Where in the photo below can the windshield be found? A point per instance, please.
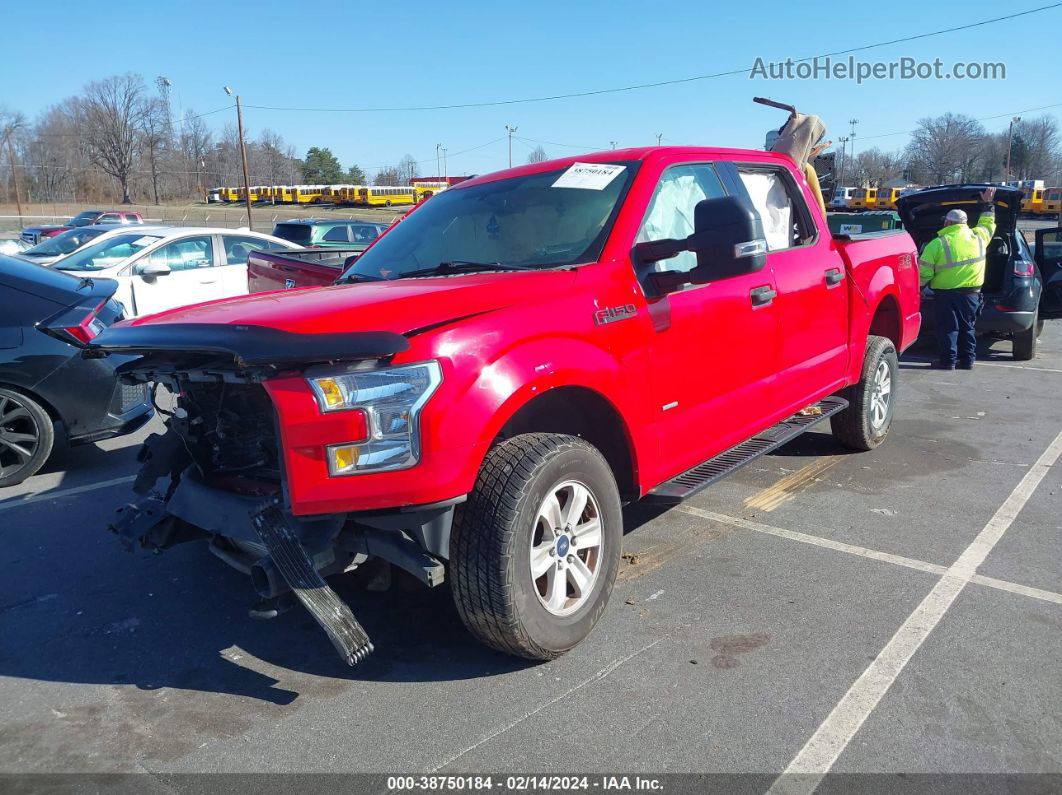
(63, 244)
(520, 221)
(82, 219)
(104, 254)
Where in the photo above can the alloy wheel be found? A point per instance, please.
(566, 551)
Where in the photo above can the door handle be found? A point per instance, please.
(834, 276)
(761, 296)
(210, 281)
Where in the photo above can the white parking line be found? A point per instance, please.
(809, 767)
(16, 502)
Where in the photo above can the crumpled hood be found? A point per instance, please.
(399, 306)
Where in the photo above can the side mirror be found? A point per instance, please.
(728, 240)
(151, 270)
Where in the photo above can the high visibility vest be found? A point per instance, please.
(955, 258)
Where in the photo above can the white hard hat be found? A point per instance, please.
(956, 216)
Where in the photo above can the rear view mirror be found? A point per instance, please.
(150, 270)
(728, 240)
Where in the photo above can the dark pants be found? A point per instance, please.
(955, 314)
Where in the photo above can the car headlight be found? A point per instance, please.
(390, 398)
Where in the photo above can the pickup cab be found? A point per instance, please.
(489, 383)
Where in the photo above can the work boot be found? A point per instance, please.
(939, 365)
(965, 365)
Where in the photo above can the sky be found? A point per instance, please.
(411, 53)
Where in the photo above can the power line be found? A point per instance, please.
(983, 118)
(659, 83)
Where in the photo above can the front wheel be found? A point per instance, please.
(535, 549)
(1024, 347)
(871, 402)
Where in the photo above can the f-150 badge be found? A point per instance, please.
(613, 313)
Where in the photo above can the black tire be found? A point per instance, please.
(27, 436)
(1024, 347)
(490, 546)
(854, 427)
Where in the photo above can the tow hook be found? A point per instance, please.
(328, 610)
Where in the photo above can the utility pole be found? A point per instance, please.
(612, 144)
(243, 156)
(444, 163)
(851, 138)
(1010, 140)
(509, 131)
(14, 171)
(659, 137)
(840, 171)
(438, 159)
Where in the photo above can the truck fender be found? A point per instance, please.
(878, 295)
(522, 374)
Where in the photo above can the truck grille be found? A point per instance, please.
(232, 427)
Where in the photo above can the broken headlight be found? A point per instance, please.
(390, 398)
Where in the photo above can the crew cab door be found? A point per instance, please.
(195, 275)
(1049, 261)
(713, 353)
(812, 302)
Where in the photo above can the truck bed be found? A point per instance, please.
(306, 267)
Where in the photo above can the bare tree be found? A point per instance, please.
(388, 176)
(1040, 143)
(538, 154)
(155, 138)
(946, 148)
(407, 169)
(874, 168)
(196, 142)
(114, 110)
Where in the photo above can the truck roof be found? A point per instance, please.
(619, 155)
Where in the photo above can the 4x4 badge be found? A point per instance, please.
(613, 313)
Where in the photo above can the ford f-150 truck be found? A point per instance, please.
(306, 267)
(35, 234)
(490, 381)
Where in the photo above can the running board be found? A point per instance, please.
(714, 469)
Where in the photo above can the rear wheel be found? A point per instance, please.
(871, 402)
(26, 437)
(535, 549)
(1025, 341)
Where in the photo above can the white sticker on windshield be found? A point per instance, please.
(589, 176)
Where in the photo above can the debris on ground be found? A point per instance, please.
(629, 600)
(630, 557)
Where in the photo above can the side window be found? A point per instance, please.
(237, 248)
(364, 234)
(186, 254)
(670, 213)
(337, 234)
(782, 209)
(108, 218)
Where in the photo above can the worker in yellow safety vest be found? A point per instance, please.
(953, 266)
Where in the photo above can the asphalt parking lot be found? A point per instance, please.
(893, 611)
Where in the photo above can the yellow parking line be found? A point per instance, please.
(786, 488)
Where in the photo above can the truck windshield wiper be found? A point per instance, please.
(359, 277)
(463, 266)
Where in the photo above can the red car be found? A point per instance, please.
(35, 234)
(494, 377)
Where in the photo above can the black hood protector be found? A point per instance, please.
(248, 345)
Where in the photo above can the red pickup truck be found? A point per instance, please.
(35, 234)
(491, 380)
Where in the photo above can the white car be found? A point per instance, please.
(163, 267)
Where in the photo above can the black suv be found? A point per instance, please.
(1013, 288)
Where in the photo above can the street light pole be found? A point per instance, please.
(840, 172)
(243, 157)
(1010, 140)
(510, 130)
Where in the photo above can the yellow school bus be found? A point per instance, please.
(281, 194)
(865, 199)
(306, 194)
(887, 198)
(1052, 204)
(1033, 201)
(425, 190)
(376, 196)
(231, 194)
